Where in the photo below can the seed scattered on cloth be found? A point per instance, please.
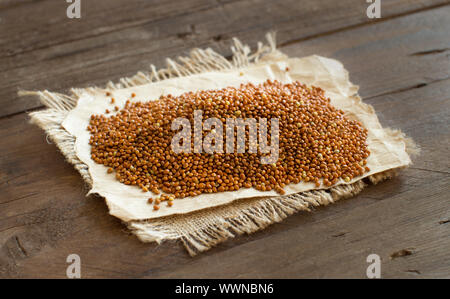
(317, 143)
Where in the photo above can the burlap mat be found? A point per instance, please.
(200, 230)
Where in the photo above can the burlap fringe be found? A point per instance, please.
(200, 230)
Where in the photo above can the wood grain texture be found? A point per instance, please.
(40, 48)
(402, 66)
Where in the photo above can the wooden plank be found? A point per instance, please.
(335, 241)
(106, 16)
(53, 221)
(408, 54)
(44, 215)
(117, 38)
(407, 212)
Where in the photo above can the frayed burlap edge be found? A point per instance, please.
(199, 230)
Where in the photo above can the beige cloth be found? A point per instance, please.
(130, 203)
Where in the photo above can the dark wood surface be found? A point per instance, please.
(401, 62)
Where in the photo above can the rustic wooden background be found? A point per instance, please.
(400, 61)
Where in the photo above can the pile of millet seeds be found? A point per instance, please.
(317, 143)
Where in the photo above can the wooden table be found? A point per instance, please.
(401, 62)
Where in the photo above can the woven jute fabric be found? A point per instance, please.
(199, 230)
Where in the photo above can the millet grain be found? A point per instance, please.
(316, 142)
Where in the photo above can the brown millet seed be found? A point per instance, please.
(317, 142)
